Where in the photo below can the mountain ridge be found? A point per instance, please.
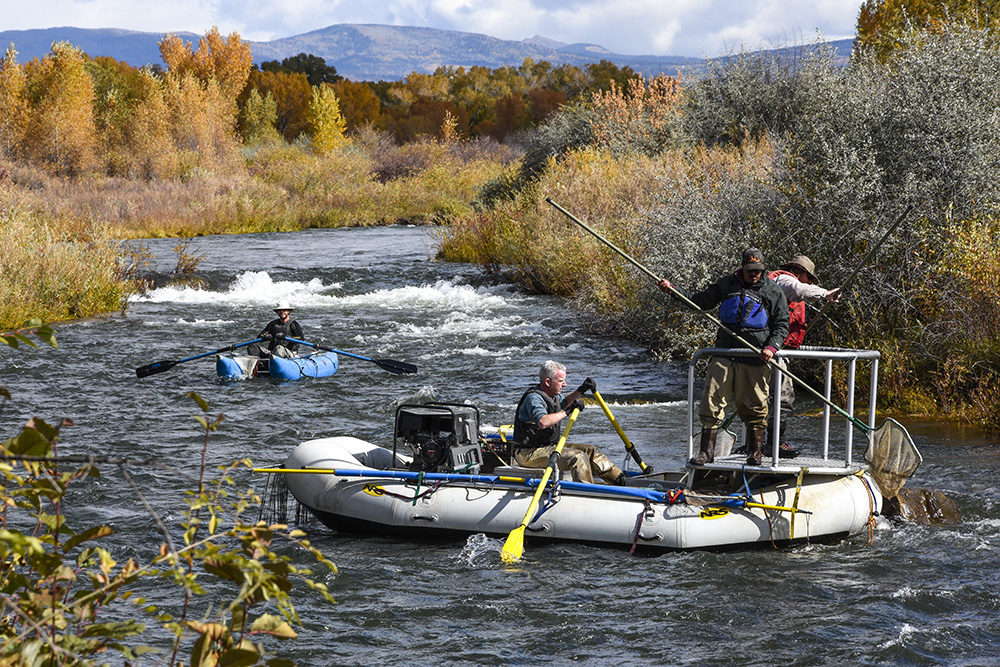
(369, 52)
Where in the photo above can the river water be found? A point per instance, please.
(918, 595)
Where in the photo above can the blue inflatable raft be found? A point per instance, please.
(242, 367)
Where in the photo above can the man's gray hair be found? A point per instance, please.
(549, 370)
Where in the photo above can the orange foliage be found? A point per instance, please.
(61, 133)
(227, 60)
(640, 115)
(292, 95)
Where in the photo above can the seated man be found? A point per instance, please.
(536, 429)
(276, 332)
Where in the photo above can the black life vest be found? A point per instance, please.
(527, 434)
(290, 329)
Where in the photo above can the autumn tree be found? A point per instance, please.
(543, 102)
(358, 103)
(883, 24)
(511, 115)
(151, 149)
(201, 88)
(131, 119)
(200, 124)
(13, 101)
(258, 118)
(325, 121)
(60, 133)
(291, 94)
(227, 60)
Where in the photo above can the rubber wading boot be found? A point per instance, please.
(755, 438)
(707, 453)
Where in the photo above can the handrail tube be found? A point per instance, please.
(827, 354)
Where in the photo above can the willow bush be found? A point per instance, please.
(793, 157)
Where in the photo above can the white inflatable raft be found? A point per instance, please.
(435, 482)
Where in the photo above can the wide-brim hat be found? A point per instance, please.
(804, 263)
(282, 305)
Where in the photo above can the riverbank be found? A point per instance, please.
(89, 229)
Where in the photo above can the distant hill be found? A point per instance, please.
(135, 48)
(366, 52)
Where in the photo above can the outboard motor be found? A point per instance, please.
(442, 437)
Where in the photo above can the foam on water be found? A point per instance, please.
(251, 288)
(441, 295)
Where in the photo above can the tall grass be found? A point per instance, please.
(54, 271)
(372, 181)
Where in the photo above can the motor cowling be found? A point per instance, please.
(441, 437)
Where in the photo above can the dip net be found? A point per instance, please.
(892, 457)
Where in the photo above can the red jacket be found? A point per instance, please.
(796, 316)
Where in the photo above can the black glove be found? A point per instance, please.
(575, 405)
(279, 336)
(265, 336)
(588, 385)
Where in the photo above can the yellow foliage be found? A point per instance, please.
(14, 119)
(328, 126)
(227, 60)
(61, 132)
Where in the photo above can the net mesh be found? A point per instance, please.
(892, 457)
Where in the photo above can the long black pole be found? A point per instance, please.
(871, 253)
(857, 422)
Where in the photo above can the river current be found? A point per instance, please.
(918, 595)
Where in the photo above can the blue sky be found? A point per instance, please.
(637, 27)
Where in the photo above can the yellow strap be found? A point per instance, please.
(795, 502)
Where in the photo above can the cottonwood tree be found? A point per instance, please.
(13, 101)
(292, 95)
(884, 24)
(258, 118)
(61, 134)
(201, 89)
(227, 60)
(359, 104)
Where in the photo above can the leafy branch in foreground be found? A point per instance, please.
(59, 590)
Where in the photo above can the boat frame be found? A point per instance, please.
(355, 486)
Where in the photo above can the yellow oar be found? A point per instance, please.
(629, 447)
(513, 548)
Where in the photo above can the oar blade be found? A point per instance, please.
(892, 457)
(154, 368)
(393, 366)
(513, 548)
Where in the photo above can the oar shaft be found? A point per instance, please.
(621, 434)
(326, 349)
(391, 365)
(161, 366)
(693, 306)
(629, 492)
(220, 350)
